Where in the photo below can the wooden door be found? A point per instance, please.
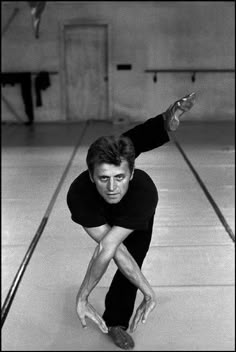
(86, 71)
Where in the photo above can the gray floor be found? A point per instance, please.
(190, 263)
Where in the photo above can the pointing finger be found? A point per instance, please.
(135, 322)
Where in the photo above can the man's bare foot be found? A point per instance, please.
(172, 114)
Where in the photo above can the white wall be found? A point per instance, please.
(146, 34)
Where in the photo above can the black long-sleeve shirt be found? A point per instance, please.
(148, 135)
(138, 205)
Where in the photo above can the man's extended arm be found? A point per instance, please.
(153, 132)
(148, 135)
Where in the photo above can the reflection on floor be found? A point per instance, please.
(190, 263)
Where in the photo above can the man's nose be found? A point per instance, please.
(111, 185)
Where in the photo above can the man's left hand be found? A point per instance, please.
(142, 312)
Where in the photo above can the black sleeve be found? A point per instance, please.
(83, 203)
(148, 135)
(84, 213)
(137, 208)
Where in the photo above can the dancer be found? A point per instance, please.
(115, 203)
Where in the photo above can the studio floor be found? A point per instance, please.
(45, 255)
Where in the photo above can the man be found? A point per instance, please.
(115, 203)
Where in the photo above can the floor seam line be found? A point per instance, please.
(18, 277)
(206, 192)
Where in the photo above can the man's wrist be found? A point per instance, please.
(82, 297)
(150, 295)
(165, 119)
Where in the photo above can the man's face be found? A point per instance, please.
(112, 182)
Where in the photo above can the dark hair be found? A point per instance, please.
(111, 150)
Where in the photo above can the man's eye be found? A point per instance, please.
(119, 177)
(103, 178)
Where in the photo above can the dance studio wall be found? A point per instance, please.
(144, 34)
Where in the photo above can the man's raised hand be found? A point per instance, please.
(178, 108)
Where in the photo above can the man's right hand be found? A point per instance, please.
(85, 309)
(178, 108)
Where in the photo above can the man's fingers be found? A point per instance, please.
(136, 320)
(102, 326)
(81, 317)
(133, 326)
(83, 322)
(189, 96)
(146, 313)
(187, 101)
(99, 321)
(86, 310)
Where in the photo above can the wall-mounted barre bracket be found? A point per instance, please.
(193, 78)
(155, 77)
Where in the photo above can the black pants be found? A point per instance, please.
(120, 299)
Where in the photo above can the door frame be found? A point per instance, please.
(62, 29)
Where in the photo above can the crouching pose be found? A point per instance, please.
(115, 203)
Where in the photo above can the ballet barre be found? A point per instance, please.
(155, 71)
